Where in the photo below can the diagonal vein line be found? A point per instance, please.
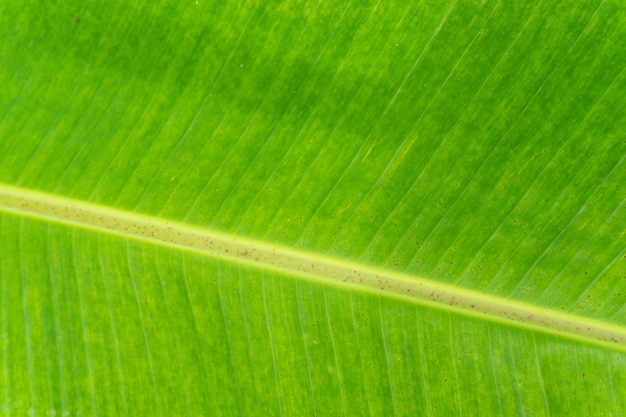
(312, 266)
(272, 350)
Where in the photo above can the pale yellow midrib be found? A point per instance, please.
(311, 266)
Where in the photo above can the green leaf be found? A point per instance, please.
(300, 208)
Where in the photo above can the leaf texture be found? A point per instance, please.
(475, 144)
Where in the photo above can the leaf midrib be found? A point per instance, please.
(310, 266)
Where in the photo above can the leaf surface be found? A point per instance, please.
(472, 146)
